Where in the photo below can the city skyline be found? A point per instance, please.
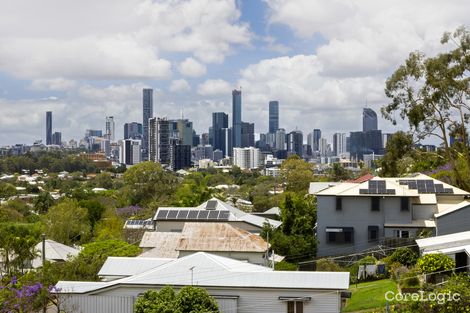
(323, 69)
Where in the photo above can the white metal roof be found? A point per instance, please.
(316, 187)
(414, 223)
(461, 205)
(55, 251)
(206, 270)
(452, 250)
(235, 214)
(127, 266)
(445, 241)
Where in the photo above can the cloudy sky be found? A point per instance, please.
(322, 59)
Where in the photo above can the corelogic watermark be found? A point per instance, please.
(421, 296)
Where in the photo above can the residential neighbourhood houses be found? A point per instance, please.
(217, 246)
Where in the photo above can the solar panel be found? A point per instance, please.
(193, 214)
(203, 215)
(183, 214)
(363, 191)
(448, 190)
(172, 214)
(223, 215)
(161, 214)
(213, 215)
(211, 205)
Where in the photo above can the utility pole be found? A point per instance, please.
(192, 275)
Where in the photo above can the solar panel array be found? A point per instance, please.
(139, 222)
(377, 187)
(193, 215)
(425, 186)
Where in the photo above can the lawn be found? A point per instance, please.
(369, 295)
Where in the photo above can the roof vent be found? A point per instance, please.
(211, 205)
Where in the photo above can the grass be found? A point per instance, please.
(369, 295)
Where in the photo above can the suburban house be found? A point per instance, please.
(238, 287)
(172, 219)
(455, 219)
(55, 252)
(217, 238)
(456, 246)
(352, 217)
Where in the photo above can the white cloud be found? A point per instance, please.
(120, 38)
(214, 87)
(179, 85)
(192, 68)
(58, 84)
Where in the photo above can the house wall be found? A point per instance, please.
(424, 211)
(454, 222)
(356, 212)
(251, 257)
(177, 226)
(251, 300)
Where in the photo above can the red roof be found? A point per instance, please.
(361, 179)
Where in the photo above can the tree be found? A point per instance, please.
(339, 173)
(399, 146)
(103, 180)
(296, 174)
(404, 256)
(432, 94)
(188, 300)
(148, 182)
(43, 202)
(67, 222)
(7, 190)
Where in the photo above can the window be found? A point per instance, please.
(339, 235)
(339, 203)
(373, 233)
(375, 203)
(295, 307)
(404, 204)
(402, 233)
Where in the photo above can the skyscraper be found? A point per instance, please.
(147, 114)
(273, 116)
(129, 151)
(163, 142)
(219, 121)
(295, 142)
(57, 138)
(133, 130)
(248, 134)
(369, 120)
(316, 139)
(339, 144)
(237, 118)
(48, 128)
(110, 128)
(280, 139)
(227, 145)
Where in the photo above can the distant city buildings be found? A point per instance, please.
(237, 118)
(369, 120)
(110, 129)
(295, 142)
(48, 128)
(133, 130)
(273, 116)
(130, 152)
(147, 109)
(57, 138)
(246, 158)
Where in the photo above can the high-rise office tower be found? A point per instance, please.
(248, 134)
(219, 121)
(180, 157)
(273, 116)
(324, 147)
(227, 144)
(163, 141)
(339, 144)
(57, 138)
(147, 114)
(369, 120)
(295, 142)
(366, 143)
(280, 139)
(316, 139)
(185, 131)
(237, 118)
(48, 128)
(133, 130)
(129, 151)
(110, 128)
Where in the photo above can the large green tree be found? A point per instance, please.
(148, 182)
(399, 148)
(296, 174)
(67, 222)
(432, 94)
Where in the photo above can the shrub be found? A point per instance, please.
(404, 256)
(285, 266)
(328, 265)
(410, 279)
(435, 262)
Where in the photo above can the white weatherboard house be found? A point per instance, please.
(352, 217)
(238, 287)
(172, 219)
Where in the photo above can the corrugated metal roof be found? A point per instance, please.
(162, 244)
(453, 208)
(219, 237)
(207, 270)
(445, 241)
(127, 266)
(452, 250)
(413, 224)
(55, 251)
(235, 214)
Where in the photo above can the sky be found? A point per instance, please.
(323, 60)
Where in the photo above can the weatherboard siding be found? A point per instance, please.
(454, 222)
(251, 300)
